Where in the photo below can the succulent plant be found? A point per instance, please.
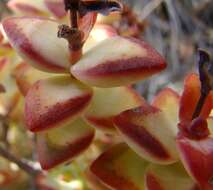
(53, 105)
(174, 131)
(76, 80)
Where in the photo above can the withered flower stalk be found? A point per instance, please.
(206, 79)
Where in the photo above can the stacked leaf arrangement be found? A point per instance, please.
(76, 82)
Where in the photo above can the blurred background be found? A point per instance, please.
(176, 28)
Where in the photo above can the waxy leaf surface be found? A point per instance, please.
(168, 177)
(108, 102)
(63, 143)
(167, 100)
(93, 182)
(149, 133)
(55, 100)
(197, 157)
(120, 168)
(99, 33)
(30, 8)
(118, 61)
(36, 41)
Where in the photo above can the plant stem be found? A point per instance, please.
(205, 78)
(72, 6)
(199, 106)
(74, 19)
(21, 163)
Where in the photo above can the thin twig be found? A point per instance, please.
(174, 23)
(149, 8)
(21, 163)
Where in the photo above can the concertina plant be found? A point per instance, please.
(83, 86)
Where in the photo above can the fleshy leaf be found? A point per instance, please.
(120, 168)
(36, 41)
(56, 7)
(26, 76)
(26, 7)
(168, 177)
(93, 182)
(63, 143)
(190, 97)
(118, 61)
(99, 33)
(55, 100)
(167, 100)
(149, 133)
(197, 157)
(108, 102)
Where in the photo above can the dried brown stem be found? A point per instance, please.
(205, 79)
(199, 105)
(72, 6)
(74, 19)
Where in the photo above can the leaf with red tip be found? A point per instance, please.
(197, 157)
(63, 143)
(168, 177)
(26, 76)
(120, 168)
(190, 97)
(99, 33)
(108, 102)
(54, 100)
(167, 100)
(56, 7)
(149, 133)
(26, 7)
(93, 182)
(118, 61)
(36, 41)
